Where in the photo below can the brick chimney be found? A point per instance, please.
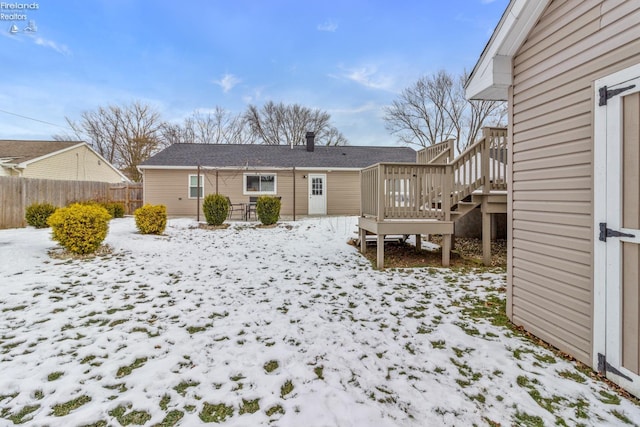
(311, 141)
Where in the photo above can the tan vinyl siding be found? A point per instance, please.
(551, 274)
(343, 193)
(171, 188)
(78, 164)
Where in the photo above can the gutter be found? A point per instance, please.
(16, 167)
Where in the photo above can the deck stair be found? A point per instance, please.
(428, 196)
(463, 208)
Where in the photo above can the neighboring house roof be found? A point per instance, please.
(17, 152)
(21, 153)
(275, 156)
(493, 73)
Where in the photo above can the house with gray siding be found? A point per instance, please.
(570, 71)
(309, 179)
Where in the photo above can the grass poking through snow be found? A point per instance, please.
(265, 327)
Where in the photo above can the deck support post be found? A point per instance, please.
(486, 233)
(446, 249)
(363, 241)
(370, 227)
(494, 227)
(380, 249)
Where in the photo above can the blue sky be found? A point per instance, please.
(349, 58)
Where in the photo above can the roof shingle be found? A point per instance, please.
(23, 151)
(249, 155)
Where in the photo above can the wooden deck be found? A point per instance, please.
(428, 196)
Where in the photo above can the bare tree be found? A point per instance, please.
(172, 133)
(124, 135)
(434, 109)
(275, 124)
(331, 136)
(213, 127)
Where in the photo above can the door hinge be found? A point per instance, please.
(604, 367)
(606, 94)
(607, 232)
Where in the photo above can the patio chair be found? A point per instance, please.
(251, 207)
(235, 207)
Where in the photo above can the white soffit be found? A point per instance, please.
(492, 74)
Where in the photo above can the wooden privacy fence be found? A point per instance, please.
(18, 193)
(130, 195)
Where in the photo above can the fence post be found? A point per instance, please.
(447, 186)
(23, 200)
(381, 193)
(452, 150)
(198, 195)
(485, 159)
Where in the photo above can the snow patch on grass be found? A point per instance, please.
(246, 326)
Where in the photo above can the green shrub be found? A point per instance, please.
(151, 219)
(37, 214)
(115, 209)
(80, 228)
(215, 208)
(268, 209)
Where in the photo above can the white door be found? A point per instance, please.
(317, 194)
(617, 228)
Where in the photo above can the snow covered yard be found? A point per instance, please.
(286, 326)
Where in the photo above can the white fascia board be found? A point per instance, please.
(152, 167)
(218, 168)
(493, 73)
(493, 81)
(329, 169)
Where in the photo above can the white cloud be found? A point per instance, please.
(253, 97)
(328, 26)
(364, 108)
(60, 48)
(38, 40)
(227, 82)
(368, 76)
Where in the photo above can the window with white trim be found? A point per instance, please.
(260, 183)
(193, 186)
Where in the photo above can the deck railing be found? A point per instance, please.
(415, 191)
(442, 152)
(496, 140)
(404, 190)
(369, 191)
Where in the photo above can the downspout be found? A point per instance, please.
(17, 169)
(198, 195)
(294, 193)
